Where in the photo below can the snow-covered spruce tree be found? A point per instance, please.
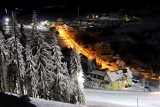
(16, 57)
(34, 21)
(91, 66)
(42, 76)
(3, 60)
(60, 86)
(76, 78)
(42, 59)
(12, 77)
(23, 38)
(33, 37)
(23, 41)
(31, 74)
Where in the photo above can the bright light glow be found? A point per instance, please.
(80, 79)
(43, 23)
(97, 16)
(6, 23)
(7, 19)
(64, 25)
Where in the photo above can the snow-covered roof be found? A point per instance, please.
(113, 19)
(135, 73)
(97, 72)
(103, 18)
(115, 75)
(128, 73)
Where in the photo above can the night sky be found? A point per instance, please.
(69, 6)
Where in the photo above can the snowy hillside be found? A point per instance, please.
(104, 98)
(40, 28)
(47, 103)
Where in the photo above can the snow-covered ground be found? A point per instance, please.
(27, 29)
(40, 28)
(47, 103)
(105, 98)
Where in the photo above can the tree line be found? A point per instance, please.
(30, 65)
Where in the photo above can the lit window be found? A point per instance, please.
(97, 77)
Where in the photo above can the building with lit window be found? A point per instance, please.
(113, 80)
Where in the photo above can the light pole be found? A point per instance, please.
(6, 11)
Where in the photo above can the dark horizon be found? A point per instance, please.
(70, 6)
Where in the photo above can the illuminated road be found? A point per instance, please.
(69, 42)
